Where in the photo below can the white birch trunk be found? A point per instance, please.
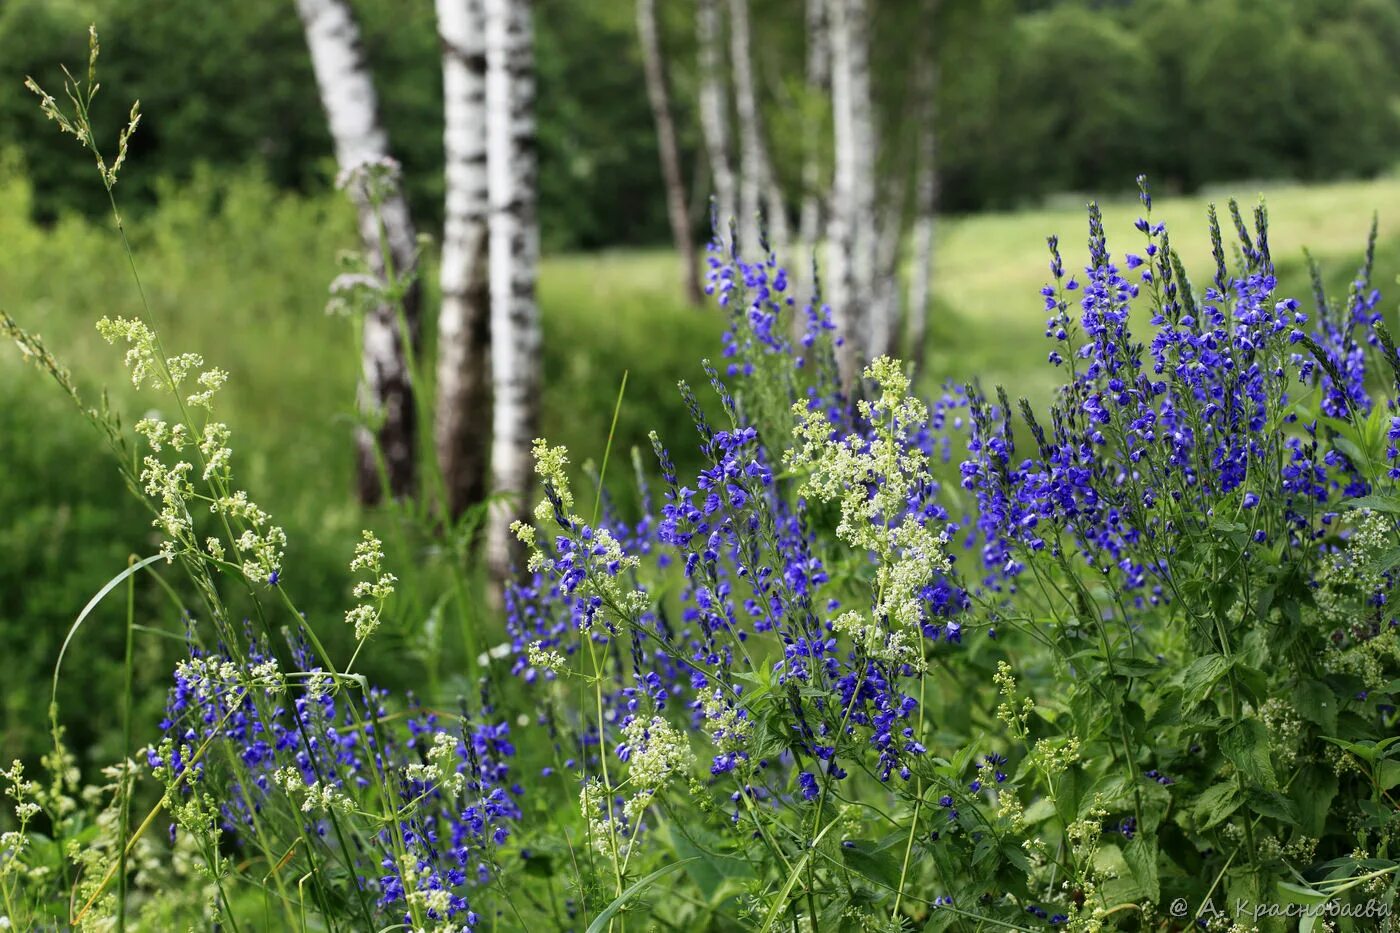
(758, 186)
(714, 111)
(352, 110)
(677, 210)
(853, 242)
(514, 257)
(886, 295)
(818, 79)
(925, 206)
(463, 413)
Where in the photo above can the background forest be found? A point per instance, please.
(1036, 98)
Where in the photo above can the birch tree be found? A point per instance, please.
(853, 245)
(677, 210)
(514, 256)
(758, 185)
(463, 413)
(886, 297)
(818, 81)
(925, 196)
(386, 231)
(714, 108)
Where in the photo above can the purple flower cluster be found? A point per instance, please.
(753, 576)
(1150, 440)
(272, 738)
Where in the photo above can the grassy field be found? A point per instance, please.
(239, 273)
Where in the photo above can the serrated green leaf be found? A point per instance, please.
(1376, 502)
(1200, 677)
(1141, 856)
(1246, 745)
(1216, 804)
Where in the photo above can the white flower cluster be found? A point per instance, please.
(370, 175)
(725, 723)
(354, 293)
(594, 800)
(374, 590)
(22, 792)
(1350, 580)
(656, 752)
(430, 898)
(318, 796)
(873, 480)
(441, 769)
(659, 750)
(260, 544)
(1351, 572)
(601, 557)
(545, 659)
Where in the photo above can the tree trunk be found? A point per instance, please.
(386, 392)
(714, 111)
(660, 97)
(463, 414)
(853, 242)
(757, 183)
(818, 86)
(886, 295)
(925, 201)
(514, 257)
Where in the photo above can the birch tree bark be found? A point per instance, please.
(463, 412)
(925, 199)
(853, 244)
(352, 110)
(758, 185)
(714, 109)
(677, 209)
(818, 80)
(514, 256)
(886, 296)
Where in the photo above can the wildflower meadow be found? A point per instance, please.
(839, 656)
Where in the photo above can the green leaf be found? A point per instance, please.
(1201, 676)
(1298, 894)
(1246, 744)
(1141, 855)
(1358, 457)
(1316, 703)
(600, 922)
(712, 874)
(872, 860)
(1313, 791)
(1216, 804)
(1366, 751)
(1376, 502)
(1135, 667)
(1387, 561)
(1291, 893)
(1274, 804)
